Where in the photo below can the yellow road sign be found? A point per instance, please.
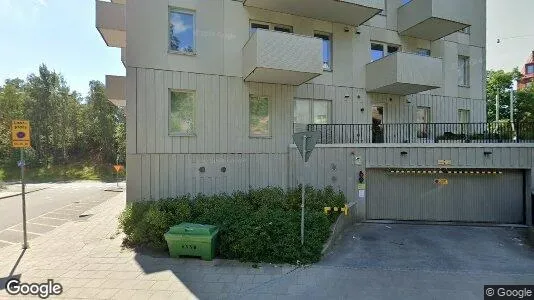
(441, 181)
(20, 133)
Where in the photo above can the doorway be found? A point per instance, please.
(377, 127)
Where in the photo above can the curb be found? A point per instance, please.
(18, 194)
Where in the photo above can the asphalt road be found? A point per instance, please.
(50, 208)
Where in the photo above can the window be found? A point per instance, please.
(378, 50)
(423, 52)
(254, 25)
(259, 116)
(530, 69)
(311, 112)
(181, 31)
(466, 30)
(463, 71)
(327, 50)
(182, 116)
(423, 118)
(464, 116)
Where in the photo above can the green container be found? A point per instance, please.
(189, 239)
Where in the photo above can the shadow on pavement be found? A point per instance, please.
(4, 280)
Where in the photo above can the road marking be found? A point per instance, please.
(23, 231)
(54, 218)
(39, 224)
(7, 242)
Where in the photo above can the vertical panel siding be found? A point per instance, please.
(131, 110)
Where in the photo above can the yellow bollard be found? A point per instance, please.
(345, 209)
(327, 210)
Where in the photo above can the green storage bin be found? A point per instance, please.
(189, 239)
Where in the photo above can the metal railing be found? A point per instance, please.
(490, 132)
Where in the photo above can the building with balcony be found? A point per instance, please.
(527, 73)
(215, 89)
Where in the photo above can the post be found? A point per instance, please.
(25, 243)
(303, 192)
(497, 106)
(512, 113)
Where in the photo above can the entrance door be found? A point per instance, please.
(377, 126)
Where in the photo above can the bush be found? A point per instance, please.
(259, 226)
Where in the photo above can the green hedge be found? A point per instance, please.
(259, 226)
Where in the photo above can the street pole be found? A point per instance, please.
(25, 244)
(303, 192)
(512, 112)
(497, 107)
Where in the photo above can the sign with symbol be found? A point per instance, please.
(118, 168)
(20, 133)
(21, 163)
(311, 140)
(441, 181)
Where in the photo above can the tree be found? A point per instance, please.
(499, 82)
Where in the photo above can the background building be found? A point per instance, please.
(215, 89)
(528, 73)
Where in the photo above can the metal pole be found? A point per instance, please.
(512, 113)
(303, 192)
(25, 244)
(497, 107)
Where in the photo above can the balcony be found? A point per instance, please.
(279, 57)
(404, 74)
(433, 19)
(116, 90)
(110, 22)
(351, 12)
(425, 133)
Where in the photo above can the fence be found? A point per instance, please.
(491, 132)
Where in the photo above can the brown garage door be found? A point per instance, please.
(493, 198)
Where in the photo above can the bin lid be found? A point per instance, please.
(192, 229)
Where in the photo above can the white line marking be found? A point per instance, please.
(54, 218)
(7, 242)
(23, 231)
(43, 224)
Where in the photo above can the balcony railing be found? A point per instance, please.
(492, 132)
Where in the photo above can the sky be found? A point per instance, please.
(62, 35)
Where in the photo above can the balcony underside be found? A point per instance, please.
(280, 76)
(116, 90)
(110, 22)
(351, 12)
(433, 29)
(402, 89)
(113, 38)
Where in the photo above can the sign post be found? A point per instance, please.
(20, 136)
(305, 142)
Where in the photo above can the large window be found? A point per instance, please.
(423, 118)
(327, 49)
(260, 125)
(379, 50)
(182, 113)
(464, 116)
(307, 111)
(181, 31)
(463, 71)
(423, 52)
(530, 69)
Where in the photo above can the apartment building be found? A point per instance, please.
(527, 73)
(214, 90)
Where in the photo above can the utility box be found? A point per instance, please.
(189, 239)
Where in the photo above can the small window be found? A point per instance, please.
(327, 50)
(311, 112)
(321, 111)
(377, 51)
(259, 116)
(464, 116)
(254, 26)
(302, 112)
(463, 71)
(392, 49)
(182, 116)
(530, 69)
(181, 31)
(423, 52)
(283, 28)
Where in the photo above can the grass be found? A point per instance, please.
(68, 172)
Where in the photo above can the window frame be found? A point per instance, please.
(385, 49)
(182, 134)
(463, 110)
(311, 109)
(331, 48)
(466, 71)
(529, 66)
(270, 25)
(269, 114)
(173, 9)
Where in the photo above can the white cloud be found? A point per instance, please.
(179, 25)
(42, 2)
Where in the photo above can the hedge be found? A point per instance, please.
(258, 226)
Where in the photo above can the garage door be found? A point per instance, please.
(452, 196)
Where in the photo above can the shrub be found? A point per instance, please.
(259, 226)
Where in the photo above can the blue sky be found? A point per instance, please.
(183, 29)
(62, 34)
(59, 33)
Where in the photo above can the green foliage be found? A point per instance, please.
(260, 226)
(64, 126)
(67, 172)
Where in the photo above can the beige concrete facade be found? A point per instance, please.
(282, 66)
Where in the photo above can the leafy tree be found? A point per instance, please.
(499, 82)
